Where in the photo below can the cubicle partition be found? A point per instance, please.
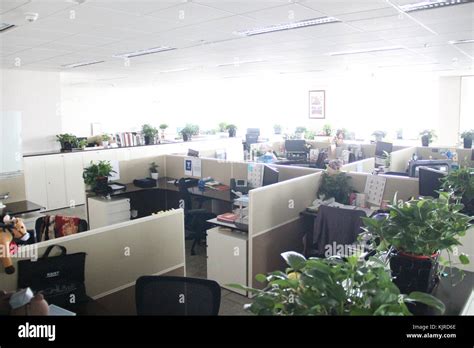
(275, 225)
(363, 166)
(118, 254)
(400, 158)
(466, 157)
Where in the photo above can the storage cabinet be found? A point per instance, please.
(227, 257)
(35, 180)
(105, 212)
(75, 188)
(55, 182)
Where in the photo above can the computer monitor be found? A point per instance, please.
(270, 175)
(193, 153)
(429, 181)
(253, 131)
(381, 147)
(441, 165)
(115, 175)
(251, 139)
(295, 145)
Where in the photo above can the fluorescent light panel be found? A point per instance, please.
(144, 52)
(369, 50)
(457, 42)
(5, 26)
(288, 26)
(238, 63)
(76, 65)
(428, 5)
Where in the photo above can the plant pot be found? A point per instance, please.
(105, 143)
(232, 133)
(66, 147)
(154, 176)
(149, 140)
(414, 272)
(186, 137)
(101, 186)
(468, 142)
(425, 140)
(277, 131)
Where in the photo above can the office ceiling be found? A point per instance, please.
(205, 36)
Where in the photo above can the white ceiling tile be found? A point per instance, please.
(243, 6)
(337, 7)
(87, 40)
(21, 41)
(189, 13)
(385, 23)
(328, 30)
(32, 32)
(7, 5)
(284, 14)
(379, 13)
(6, 50)
(137, 7)
(36, 54)
(43, 8)
(453, 25)
(460, 12)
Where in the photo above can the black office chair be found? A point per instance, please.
(40, 225)
(195, 220)
(160, 295)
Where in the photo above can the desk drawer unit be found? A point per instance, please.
(227, 257)
(105, 212)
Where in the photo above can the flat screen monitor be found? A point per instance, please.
(295, 145)
(429, 181)
(251, 139)
(270, 175)
(381, 146)
(253, 131)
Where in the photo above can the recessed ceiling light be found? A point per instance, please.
(240, 62)
(175, 70)
(76, 65)
(430, 4)
(5, 26)
(288, 26)
(144, 52)
(368, 50)
(457, 42)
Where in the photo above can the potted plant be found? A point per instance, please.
(309, 135)
(467, 138)
(277, 129)
(149, 132)
(232, 129)
(415, 232)
(67, 141)
(427, 137)
(81, 144)
(105, 140)
(335, 185)
(460, 183)
(189, 130)
(379, 135)
(163, 127)
(96, 176)
(332, 286)
(299, 132)
(327, 130)
(154, 170)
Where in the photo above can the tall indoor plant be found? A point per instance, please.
(460, 183)
(379, 135)
(67, 141)
(416, 232)
(467, 137)
(427, 137)
(189, 130)
(232, 129)
(163, 128)
(332, 286)
(149, 132)
(96, 176)
(335, 185)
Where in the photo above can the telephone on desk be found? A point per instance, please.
(188, 182)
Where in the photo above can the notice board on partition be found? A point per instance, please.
(374, 189)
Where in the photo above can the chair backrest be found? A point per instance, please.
(185, 195)
(161, 295)
(83, 226)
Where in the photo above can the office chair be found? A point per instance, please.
(160, 295)
(40, 225)
(195, 220)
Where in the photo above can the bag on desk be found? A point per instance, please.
(59, 278)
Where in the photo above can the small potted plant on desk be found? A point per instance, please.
(232, 129)
(460, 183)
(414, 233)
(105, 140)
(67, 141)
(335, 184)
(467, 138)
(327, 130)
(379, 135)
(222, 126)
(277, 129)
(154, 170)
(96, 176)
(163, 127)
(189, 130)
(149, 132)
(427, 137)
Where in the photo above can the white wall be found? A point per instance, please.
(360, 103)
(449, 100)
(467, 103)
(37, 96)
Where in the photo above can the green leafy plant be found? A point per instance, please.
(379, 134)
(67, 138)
(105, 137)
(222, 126)
(81, 144)
(327, 130)
(154, 167)
(460, 183)
(332, 286)
(335, 185)
(149, 131)
(387, 159)
(300, 130)
(309, 134)
(467, 134)
(163, 126)
(102, 169)
(428, 134)
(421, 226)
(231, 127)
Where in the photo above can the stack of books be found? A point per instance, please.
(228, 217)
(129, 139)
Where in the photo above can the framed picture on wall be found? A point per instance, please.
(317, 104)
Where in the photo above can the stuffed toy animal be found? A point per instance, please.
(10, 229)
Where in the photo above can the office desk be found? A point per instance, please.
(20, 207)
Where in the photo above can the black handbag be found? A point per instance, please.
(59, 278)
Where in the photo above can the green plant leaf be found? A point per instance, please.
(262, 278)
(294, 260)
(464, 259)
(427, 299)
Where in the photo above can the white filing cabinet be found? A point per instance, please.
(106, 212)
(227, 257)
